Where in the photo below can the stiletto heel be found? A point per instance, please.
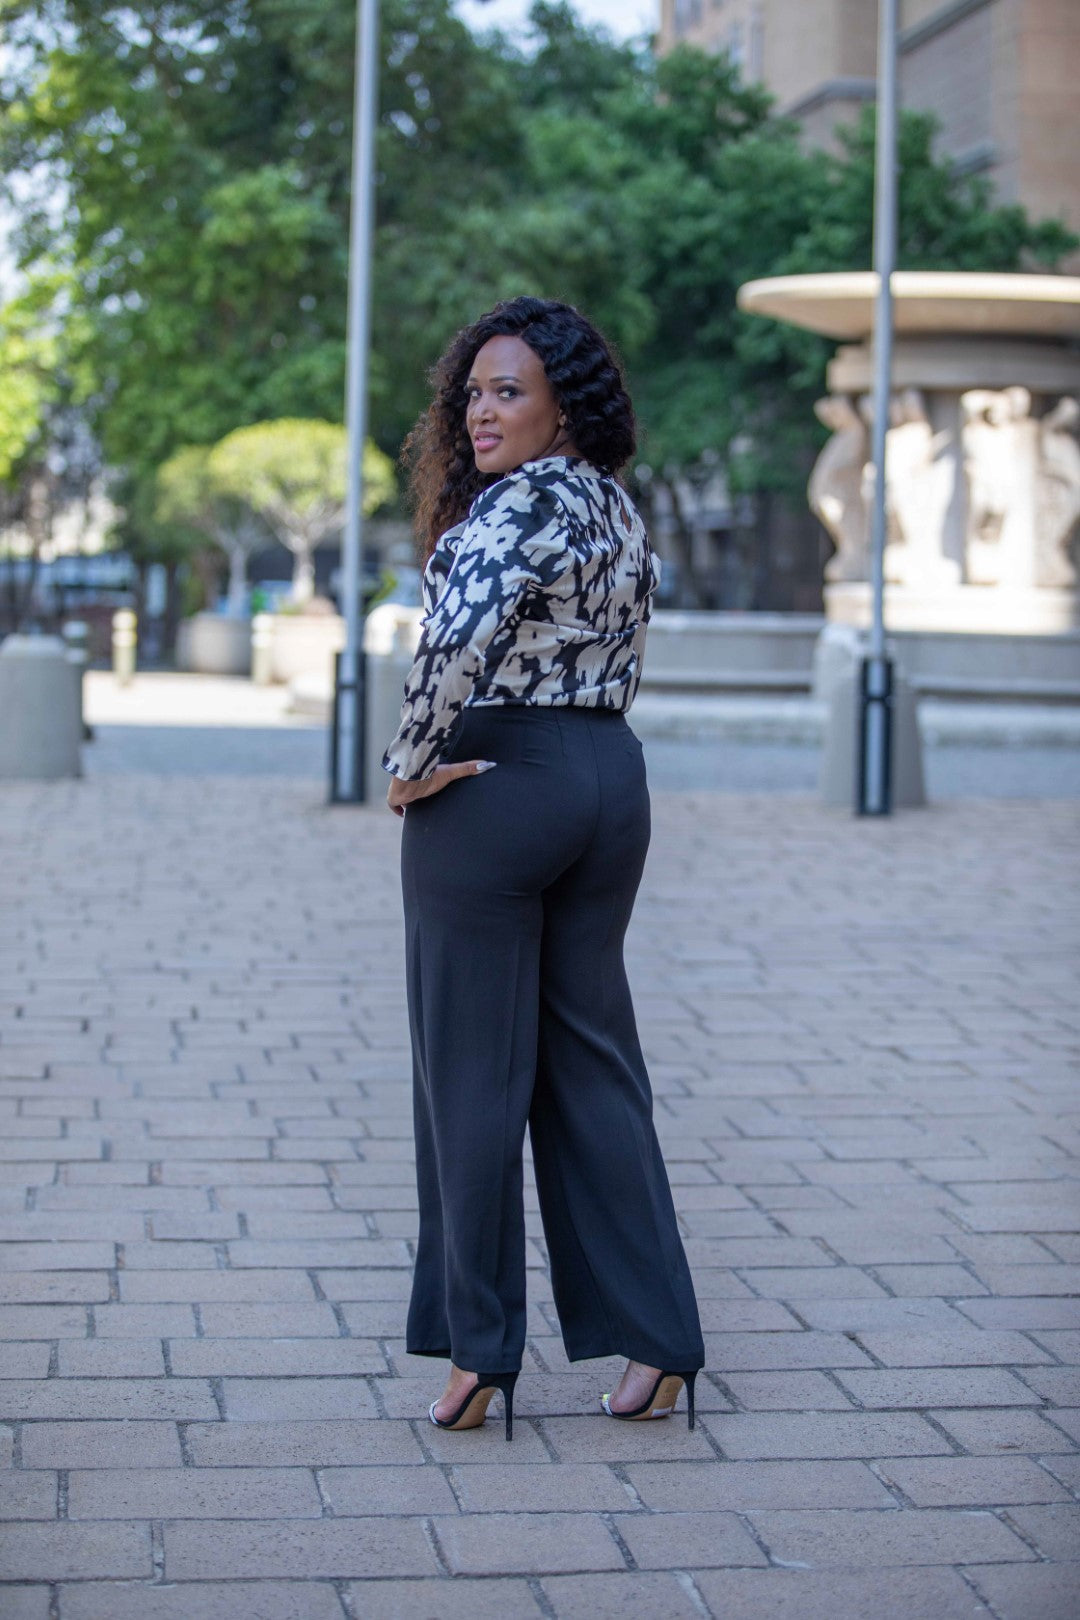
(473, 1409)
(662, 1399)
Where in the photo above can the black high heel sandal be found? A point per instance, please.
(662, 1399)
(472, 1411)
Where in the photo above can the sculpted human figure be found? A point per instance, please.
(836, 488)
(1001, 454)
(1058, 494)
(919, 482)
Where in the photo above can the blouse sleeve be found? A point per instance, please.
(510, 544)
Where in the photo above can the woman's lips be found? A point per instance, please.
(486, 441)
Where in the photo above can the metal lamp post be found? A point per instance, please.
(874, 786)
(348, 726)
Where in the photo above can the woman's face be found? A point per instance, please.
(512, 414)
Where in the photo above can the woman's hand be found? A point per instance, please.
(400, 793)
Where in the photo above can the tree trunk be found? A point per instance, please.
(171, 618)
(237, 598)
(303, 579)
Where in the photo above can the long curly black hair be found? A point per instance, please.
(585, 378)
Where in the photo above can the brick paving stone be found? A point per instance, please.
(1030, 1592)
(1067, 1469)
(971, 1481)
(43, 1322)
(743, 1486)
(937, 1386)
(688, 1540)
(109, 1398)
(916, 1312)
(25, 1602)
(1052, 1278)
(526, 1543)
(812, 1282)
(908, 1594)
(918, 1536)
(741, 1352)
(317, 1549)
(930, 1280)
(476, 1445)
(55, 1288)
(111, 1358)
(313, 1319)
(203, 1600)
(1008, 1430)
(786, 1391)
(586, 1487)
(23, 1361)
(458, 1599)
(193, 1493)
(953, 1349)
(248, 1287)
(762, 1435)
(94, 1444)
(27, 1495)
(1059, 1385)
(143, 1321)
(62, 1552)
(277, 1358)
(870, 1135)
(264, 1399)
(641, 1595)
(386, 1488)
(314, 1444)
(1055, 1529)
(599, 1439)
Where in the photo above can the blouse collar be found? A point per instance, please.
(576, 464)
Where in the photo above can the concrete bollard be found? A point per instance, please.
(836, 682)
(40, 730)
(125, 639)
(262, 649)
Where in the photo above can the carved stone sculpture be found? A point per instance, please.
(1001, 445)
(1023, 488)
(1058, 500)
(837, 487)
(919, 486)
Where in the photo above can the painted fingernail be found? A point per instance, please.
(486, 765)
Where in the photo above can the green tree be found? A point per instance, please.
(189, 494)
(293, 475)
(203, 150)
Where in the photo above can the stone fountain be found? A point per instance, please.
(982, 461)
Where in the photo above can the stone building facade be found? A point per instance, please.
(1002, 77)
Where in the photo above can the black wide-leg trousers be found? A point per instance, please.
(518, 887)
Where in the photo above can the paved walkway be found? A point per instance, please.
(862, 1038)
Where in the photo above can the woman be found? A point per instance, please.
(522, 849)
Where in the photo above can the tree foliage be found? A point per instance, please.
(293, 475)
(186, 162)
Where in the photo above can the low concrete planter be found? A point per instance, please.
(40, 710)
(713, 651)
(212, 644)
(304, 644)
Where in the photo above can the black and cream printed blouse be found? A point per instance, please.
(541, 596)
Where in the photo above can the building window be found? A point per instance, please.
(687, 15)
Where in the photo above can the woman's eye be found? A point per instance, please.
(508, 393)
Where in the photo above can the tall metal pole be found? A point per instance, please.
(348, 739)
(875, 705)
